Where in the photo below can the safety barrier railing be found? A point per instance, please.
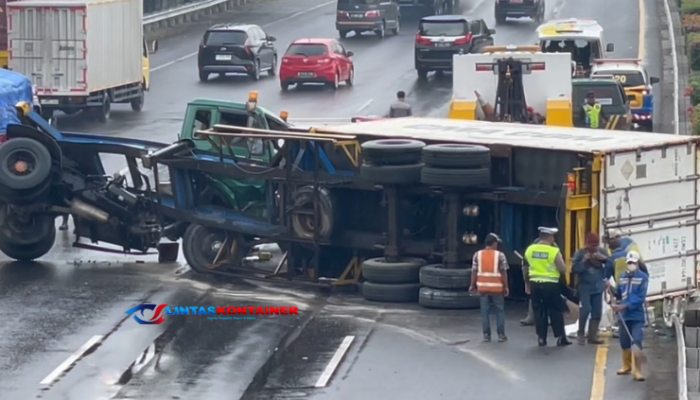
(682, 362)
(185, 10)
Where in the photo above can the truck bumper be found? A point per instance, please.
(517, 10)
(358, 26)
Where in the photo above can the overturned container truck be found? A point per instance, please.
(403, 203)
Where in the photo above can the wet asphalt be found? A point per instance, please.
(76, 298)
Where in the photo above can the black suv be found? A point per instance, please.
(236, 48)
(440, 37)
(376, 16)
(518, 9)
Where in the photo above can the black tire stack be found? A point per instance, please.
(391, 282)
(392, 161)
(446, 288)
(456, 165)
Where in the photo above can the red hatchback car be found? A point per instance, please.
(316, 61)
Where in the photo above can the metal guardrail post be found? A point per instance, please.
(682, 362)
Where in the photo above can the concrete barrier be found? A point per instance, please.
(675, 102)
(188, 13)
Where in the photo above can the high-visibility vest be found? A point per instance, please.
(488, 277)
(593, 115)
(541, 259)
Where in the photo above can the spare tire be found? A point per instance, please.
(438, 277)
(303, 224)
(25, 164)
(29, 252)
(378, 270)
(448, 299)
(392, 151)
(391, 174)
(455, 155)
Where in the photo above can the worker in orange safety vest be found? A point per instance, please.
(490, 281)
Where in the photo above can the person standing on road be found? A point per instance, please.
(589, 266)
(529, 319)
(631, 294)
(64, 222)
(591, 113)
(400, 108)
(543, 268)
(490, 281)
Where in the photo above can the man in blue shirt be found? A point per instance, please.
(588, 265)
(631, 295)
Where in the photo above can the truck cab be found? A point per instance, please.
(146, 63)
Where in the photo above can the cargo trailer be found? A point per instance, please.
(81, 55)
(3, 33)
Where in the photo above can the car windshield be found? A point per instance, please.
(219, 38)
(307, 49)
(626, 78)
(446, 28)
(346, 4)
(606, 95)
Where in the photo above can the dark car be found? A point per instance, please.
(376, 16)
(236, 48)
(519, 9)
(440, 37)
(611, 96)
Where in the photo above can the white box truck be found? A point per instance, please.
(81, 55)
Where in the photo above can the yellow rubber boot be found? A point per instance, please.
(626, 362)
(637, 370)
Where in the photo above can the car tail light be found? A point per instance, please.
(421, 40)
(343, 14)
(324, 61)
(537, 67)
(464, 40)
(285, 60)
(372, 14)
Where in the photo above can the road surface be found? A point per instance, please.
(65, 334)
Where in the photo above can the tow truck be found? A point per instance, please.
(402, 204)
(637, 83)
(513, 84)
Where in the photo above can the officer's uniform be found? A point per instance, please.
(543, 275)
(592, 115)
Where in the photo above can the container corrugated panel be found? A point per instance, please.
(75, 47)
(3, 24)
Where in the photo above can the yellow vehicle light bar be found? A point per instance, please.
(253, 96)
(284, 115)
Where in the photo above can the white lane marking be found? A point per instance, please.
(364, 106)
(674, 58)
(287, 18)
(334, 362)
(71, 359)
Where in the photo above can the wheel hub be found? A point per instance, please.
(21, 163)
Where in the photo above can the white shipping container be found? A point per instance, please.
(76, 47)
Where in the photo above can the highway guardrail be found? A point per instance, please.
(188, 13)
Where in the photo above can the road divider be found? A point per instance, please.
(675, 105)
(188, 13)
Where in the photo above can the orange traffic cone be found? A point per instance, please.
(486, 108)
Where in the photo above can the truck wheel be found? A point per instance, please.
(378, 270)
(104, 113)
(303, 224)
(137, 102)
(392, 151)
(24, 164)
(381, 32)
(452, 155)
(455, 177)
(437, 277)
(200, 245)
(24, 232)
(391, 293)
(397, 30)
(447, 299)
(28, 252)
(391, 174)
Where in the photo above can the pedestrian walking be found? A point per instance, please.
(490, 282)
(589, 267)
(544, 266)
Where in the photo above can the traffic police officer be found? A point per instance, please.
(592, 112)
(543, 267)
